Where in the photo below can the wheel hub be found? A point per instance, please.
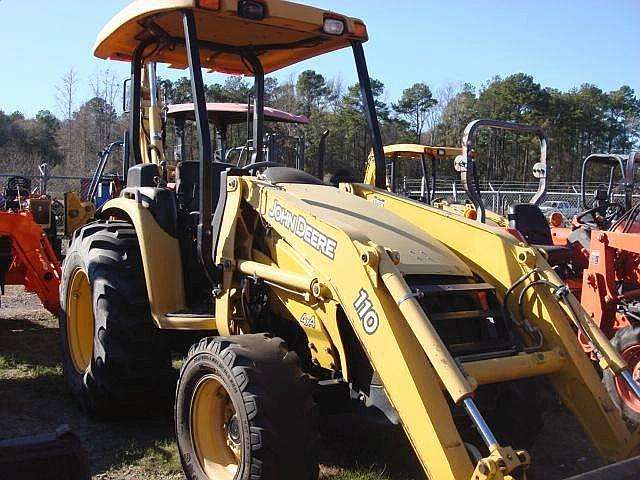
(232, 427)
(216, 429)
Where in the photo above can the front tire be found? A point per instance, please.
(113, 359)
(244, 411)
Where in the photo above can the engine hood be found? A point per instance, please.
(420, 254)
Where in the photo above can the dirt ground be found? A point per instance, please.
(33, 399)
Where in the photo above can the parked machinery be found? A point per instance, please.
(399, 154)
(223, 115)
(27, 239)
(299, 289)
(604, 242)
(598, 258)
(465, 163)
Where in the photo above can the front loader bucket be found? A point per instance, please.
(624, 470)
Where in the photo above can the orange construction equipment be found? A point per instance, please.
(31, 232)
(26, 255)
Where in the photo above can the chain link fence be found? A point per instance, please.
(53, 185)
(498, 197)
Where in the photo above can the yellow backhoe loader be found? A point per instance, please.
(297, 288)
(465, 164)
(404, 155)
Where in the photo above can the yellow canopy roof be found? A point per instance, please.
(289, 34)
(412, 150)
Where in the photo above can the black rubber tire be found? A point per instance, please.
(273, 401)
(130, 371)
(623, 339)
(520, 411)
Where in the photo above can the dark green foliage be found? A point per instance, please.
(414, 106)
(578, 122)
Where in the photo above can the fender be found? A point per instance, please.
(161, 260)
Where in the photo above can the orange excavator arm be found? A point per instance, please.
(27, 258)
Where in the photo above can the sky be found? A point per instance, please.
(563, 44)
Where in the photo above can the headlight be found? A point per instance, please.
(333, 26)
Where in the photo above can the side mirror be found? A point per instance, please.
(126, 95)
(461, 163)
(540, 170)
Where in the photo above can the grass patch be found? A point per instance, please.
(361, 475)
(156, 461)
(7, 362)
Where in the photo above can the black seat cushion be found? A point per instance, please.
(289, 175)
(529, 220)
(557, 255)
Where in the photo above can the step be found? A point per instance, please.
(454, 288)
(463, 314)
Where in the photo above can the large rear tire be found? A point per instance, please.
(114, 361)
(244, 411)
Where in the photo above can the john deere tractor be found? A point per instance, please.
(302, 293)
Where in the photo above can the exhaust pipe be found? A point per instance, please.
(322, 149)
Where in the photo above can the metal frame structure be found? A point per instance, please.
(467, 167)
(627, 165)
(193, 48)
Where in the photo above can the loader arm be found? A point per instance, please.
(576, 381)
(397, 336)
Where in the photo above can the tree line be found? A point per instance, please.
(578, 122)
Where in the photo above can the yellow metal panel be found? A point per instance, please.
(412, 150)
(162, 266)
(286, 23)
(394, 352)
(76, 213)
(365, 222)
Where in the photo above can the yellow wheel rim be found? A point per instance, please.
(215, 430)
(80, 321)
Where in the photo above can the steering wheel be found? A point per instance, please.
(18, 186)
(259, 165)
(602, 215)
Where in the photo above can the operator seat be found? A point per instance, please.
(529, 220)
(601, 195)
(188, 183)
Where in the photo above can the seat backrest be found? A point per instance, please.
(529, 220)
(188, 183)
